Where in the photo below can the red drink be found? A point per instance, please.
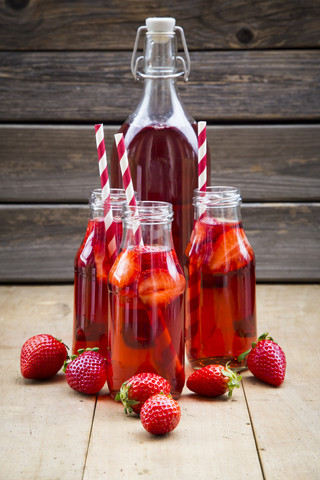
(91, 268)
(146, 321)
(220, 307)
(163, 165)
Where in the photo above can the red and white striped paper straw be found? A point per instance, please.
(126, 178)
(202, 156)
(105, 187)
(125, 170)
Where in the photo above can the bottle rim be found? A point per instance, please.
(117, 196)
(147, 212)
(217, 196)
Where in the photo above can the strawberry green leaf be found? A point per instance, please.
(264, 336)
(123, 396)
(243, 355)
(234, 379)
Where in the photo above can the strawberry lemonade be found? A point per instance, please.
(91, 268)
(146, 301)
(220, 301)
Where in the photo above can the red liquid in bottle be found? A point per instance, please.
(221, 310)
(164, 166)
(146, 299)
(91, 267)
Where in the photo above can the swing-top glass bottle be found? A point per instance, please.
(160, 135)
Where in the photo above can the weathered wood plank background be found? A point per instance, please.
(232, 85)
(255, 78)
(101, 25)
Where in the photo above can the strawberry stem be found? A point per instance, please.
(123, 396)
(234, 381)
(264, 336)
(243, 355)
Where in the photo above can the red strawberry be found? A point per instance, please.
(135, 391)
(125, 269)
(266, 360)
(160, 414)
(213, 381)
(230, 252)
(158, 287)
(42, 356)
(86, 372)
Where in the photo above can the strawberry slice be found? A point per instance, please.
(125, 269)
(230, 252)
(158, 287)
(205, 233)
(195, 246)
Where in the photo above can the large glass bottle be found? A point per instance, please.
(160, 135)
(146, 300)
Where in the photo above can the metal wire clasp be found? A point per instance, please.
(136, 60)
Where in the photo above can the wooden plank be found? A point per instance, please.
(98, 86)
(40, 421)
(39, 242)
(49, 163)
(58, 163)
(100, 25)
(209, 430)
(286, 419)
(285, 239)
(45, 426)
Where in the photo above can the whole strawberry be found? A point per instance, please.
(86, 372)
(135, 391)
(213, 381)
(266, 360)
(42, 356)
(160, 414)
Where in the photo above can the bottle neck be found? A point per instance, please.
(222, 214)
(160, 102)
(160, 56)
(148, 224)
(98, 206)
(221, 203)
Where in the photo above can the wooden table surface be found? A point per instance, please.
(51, 432)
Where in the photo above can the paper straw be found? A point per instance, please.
(105, 187)
(126, 178)
(202, 156)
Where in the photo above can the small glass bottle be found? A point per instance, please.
(146, 299)
(160, 135)
(91, 268)
(220, 300)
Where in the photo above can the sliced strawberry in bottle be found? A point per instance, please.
(196, 247)
(230, 252)
(158, 287)
(204, 235)
(125, 269)
(198, 236)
